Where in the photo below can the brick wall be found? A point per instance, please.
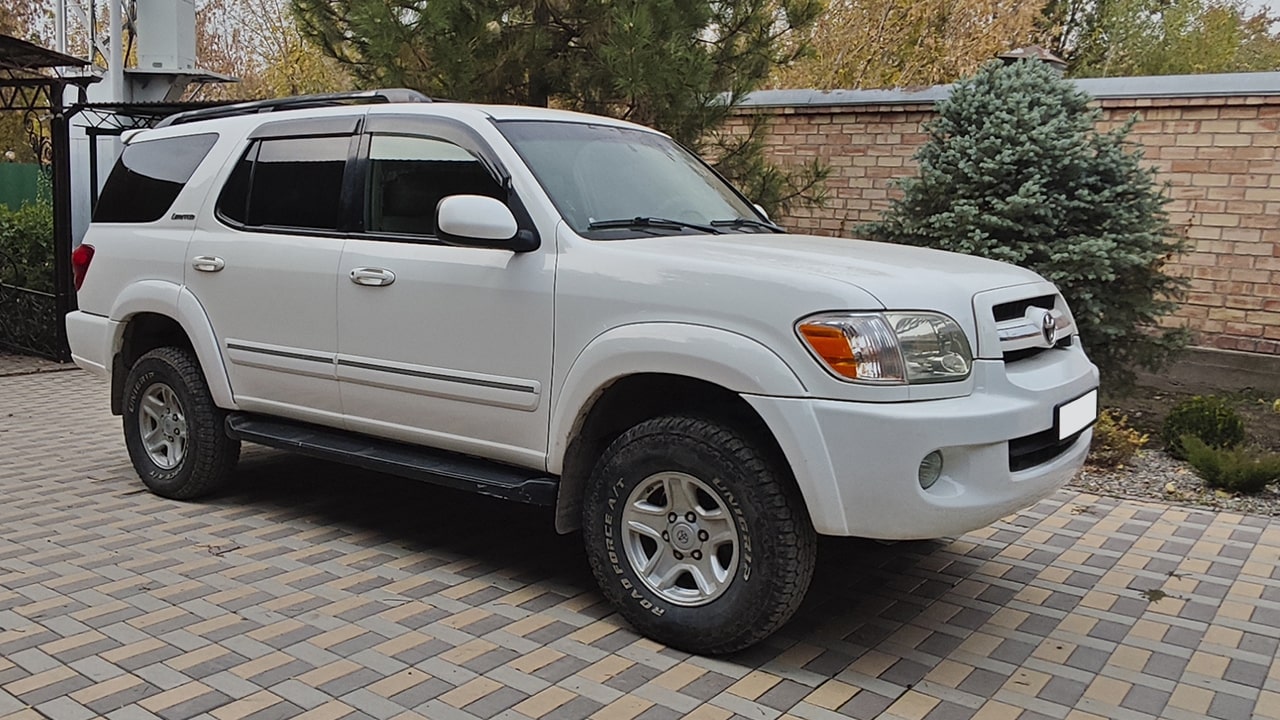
(1219, 155)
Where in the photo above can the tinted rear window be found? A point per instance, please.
(148, 177)
(288, 183)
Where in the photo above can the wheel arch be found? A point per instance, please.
(153, 314)
(637, 372)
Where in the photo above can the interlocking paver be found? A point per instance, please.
(313, 590)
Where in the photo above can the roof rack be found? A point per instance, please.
(354, 97)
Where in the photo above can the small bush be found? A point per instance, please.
(1114, 442)
(1208, 418)
(26, 246)
(1239, 469)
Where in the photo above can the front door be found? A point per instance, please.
(267, 284)
(441, 345)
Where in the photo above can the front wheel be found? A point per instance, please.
(696, 535)
(173, 430)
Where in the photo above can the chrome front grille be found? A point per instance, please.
(1030, 326)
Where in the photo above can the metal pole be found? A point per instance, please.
(60, 26)
(64, 297)
(93, 168)
(115, 65)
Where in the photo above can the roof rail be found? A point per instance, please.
(353, 97)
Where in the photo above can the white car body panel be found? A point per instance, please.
(455, 353)
(272, 307)
(732, 361)
(856, 463)
(89, 337)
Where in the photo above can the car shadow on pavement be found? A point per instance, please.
(863, 591)
(415, 516)
(1030, 612)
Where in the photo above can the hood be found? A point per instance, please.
(900, 277)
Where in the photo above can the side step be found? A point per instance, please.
(461, 472)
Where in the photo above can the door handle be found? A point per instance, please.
(207, 263)
(372, 277)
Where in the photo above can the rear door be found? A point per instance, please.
(264, 266)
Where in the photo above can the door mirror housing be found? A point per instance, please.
(763, 213)
(481, 221)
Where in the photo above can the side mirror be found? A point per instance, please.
(480, 221)
(762, 212)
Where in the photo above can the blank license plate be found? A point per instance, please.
(1077, 415)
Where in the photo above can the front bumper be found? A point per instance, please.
(857, 463)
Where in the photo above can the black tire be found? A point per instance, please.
(209, 456)
(776, 537)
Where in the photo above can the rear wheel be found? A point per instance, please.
(173, 430)
(697, 535)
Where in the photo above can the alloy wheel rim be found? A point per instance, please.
(164, 426)
(680, 538)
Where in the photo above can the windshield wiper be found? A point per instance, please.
(651, 222)
(748, 222)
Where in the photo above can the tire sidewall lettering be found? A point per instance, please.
(145, 380)
(744, 528)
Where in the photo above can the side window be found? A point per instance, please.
(297, 182)
(409, 176)
(287, 182)
(233, 202)
(148, 177)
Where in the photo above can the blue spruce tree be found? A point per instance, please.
(1015, 170)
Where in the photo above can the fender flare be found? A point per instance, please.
(734, 362)
(178, 303)
(727, 359)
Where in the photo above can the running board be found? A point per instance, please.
(461, 472)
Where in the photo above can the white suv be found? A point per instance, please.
(570, 311)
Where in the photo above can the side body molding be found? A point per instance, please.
(176, 302)
(730, 360)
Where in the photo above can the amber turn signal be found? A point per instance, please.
(831, 344)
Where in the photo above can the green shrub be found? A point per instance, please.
(1208, 418)
(1114, 441)
(1015, 170)
(26, 246)
(1238, 469)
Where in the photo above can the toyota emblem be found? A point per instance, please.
(1049, 328)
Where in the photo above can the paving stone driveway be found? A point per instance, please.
(319, 591)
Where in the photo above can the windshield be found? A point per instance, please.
(610, 182)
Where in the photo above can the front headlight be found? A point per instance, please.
(890, 348)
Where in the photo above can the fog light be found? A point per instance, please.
(930, 469)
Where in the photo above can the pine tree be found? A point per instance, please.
(677, 65)
(1015, 170)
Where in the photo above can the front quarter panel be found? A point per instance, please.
(727, 359)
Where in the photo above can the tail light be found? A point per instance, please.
(80, 260)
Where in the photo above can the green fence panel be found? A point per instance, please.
(19, 183)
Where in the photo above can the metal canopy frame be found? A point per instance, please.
(32, 82)
(26, 86)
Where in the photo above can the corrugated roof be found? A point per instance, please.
(18, 54)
